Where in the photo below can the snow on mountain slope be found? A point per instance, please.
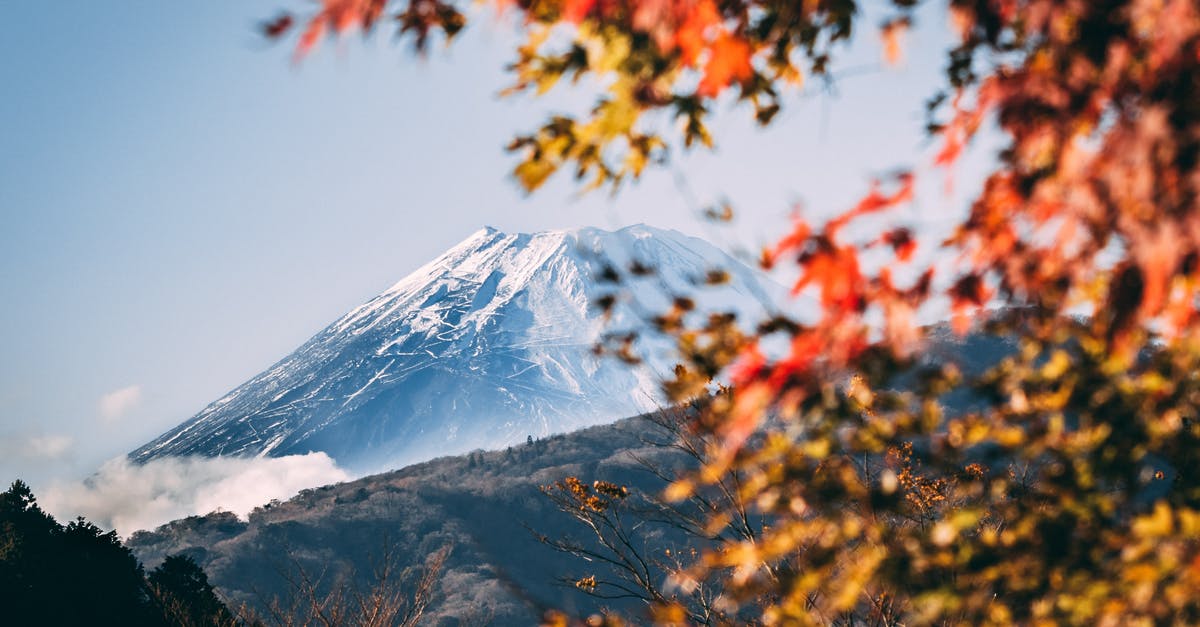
(483, 346)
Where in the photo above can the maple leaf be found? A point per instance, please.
(728, 61)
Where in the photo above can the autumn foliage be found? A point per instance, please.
(1067, 490)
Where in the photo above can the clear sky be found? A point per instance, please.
(180, 206)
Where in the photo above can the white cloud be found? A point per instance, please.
(35, 447)
(49, 446)
(118, 402)
(128, 497)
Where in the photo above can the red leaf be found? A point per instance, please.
(749, 365)
(790, 242)
(805, 349)
(338, 16)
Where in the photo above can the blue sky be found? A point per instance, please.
(180, 206)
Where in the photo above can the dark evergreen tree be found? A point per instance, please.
(26, 555)
(102, 579)
(184, 595)
(82, 575)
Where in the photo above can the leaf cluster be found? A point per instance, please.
(1055, 486)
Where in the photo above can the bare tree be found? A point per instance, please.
(394, 596)
(639, 545)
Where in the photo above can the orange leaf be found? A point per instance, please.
(892, 33)
(728, 61)
(838, 277)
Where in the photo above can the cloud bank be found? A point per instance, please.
(127, 497)
(118, 402)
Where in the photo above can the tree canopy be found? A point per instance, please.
(78, 574)
(1066, 491)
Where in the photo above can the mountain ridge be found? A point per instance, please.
(485, 345)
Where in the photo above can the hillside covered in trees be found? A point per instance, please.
(486, 507)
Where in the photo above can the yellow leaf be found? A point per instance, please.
(1157, 524)
(531, 174)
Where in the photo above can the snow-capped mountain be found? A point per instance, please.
(487, 344)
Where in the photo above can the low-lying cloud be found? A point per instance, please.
(126, 496)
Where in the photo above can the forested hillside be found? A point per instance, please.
(485, 506)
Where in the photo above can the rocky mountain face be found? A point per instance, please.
(486, 345)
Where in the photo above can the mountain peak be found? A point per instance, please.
(481, 347)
